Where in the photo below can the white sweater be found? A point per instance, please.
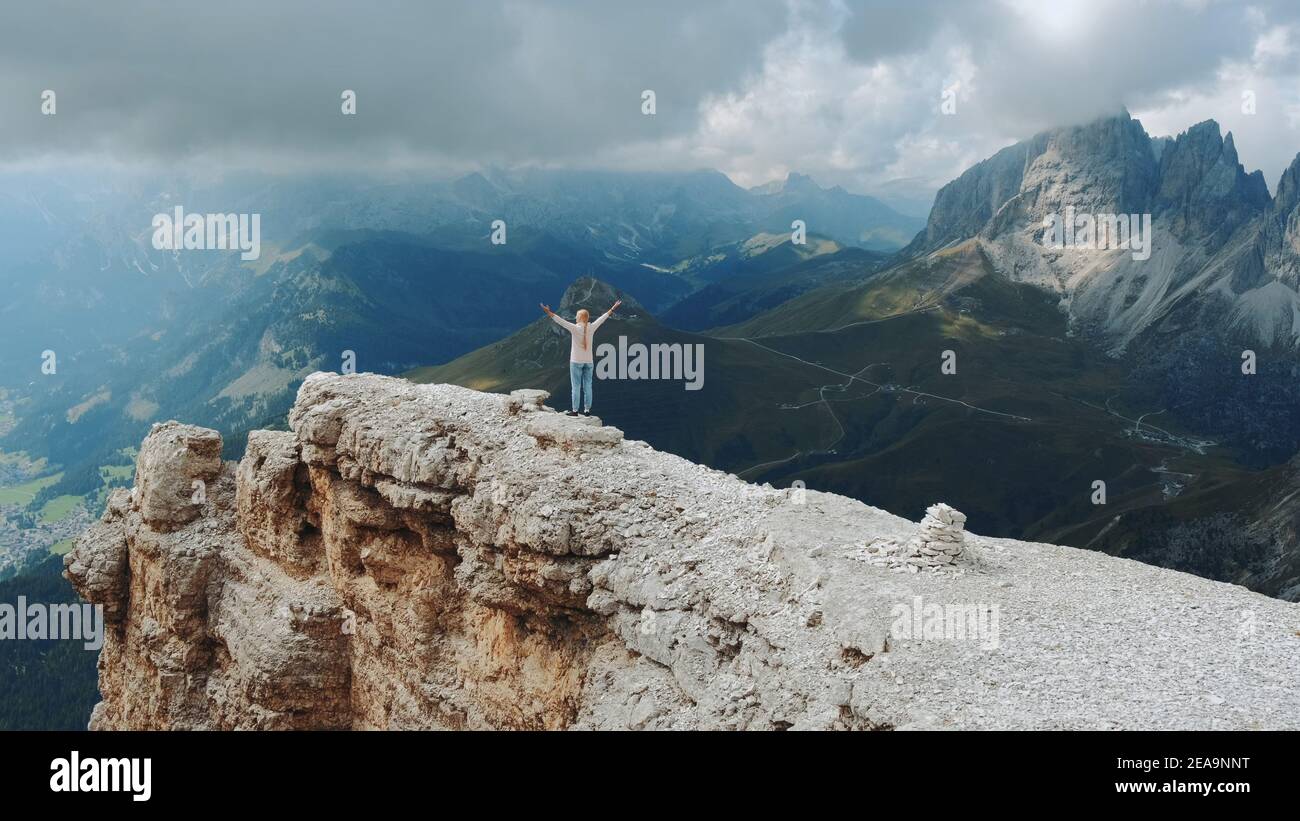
(577, 353)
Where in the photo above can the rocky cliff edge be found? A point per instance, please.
(434, 557)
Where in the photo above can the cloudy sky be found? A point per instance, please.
(849, 91)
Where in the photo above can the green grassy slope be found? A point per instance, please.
(1014, 438)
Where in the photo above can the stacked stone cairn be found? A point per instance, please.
(937, 547)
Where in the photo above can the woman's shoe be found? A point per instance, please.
(570, 413)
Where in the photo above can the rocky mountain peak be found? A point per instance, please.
(1110, 165)
(1215, 245)
(1205, 186)
(1105, 166)
(477, 190)
(597, 296)
(795, 182)
(1288, 188)
(1280, 236)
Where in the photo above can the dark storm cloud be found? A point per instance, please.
(847, 90)
(507, 81)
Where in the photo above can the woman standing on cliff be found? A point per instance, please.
(580, 361)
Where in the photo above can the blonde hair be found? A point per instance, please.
(583, 318)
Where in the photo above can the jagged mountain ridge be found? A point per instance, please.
(662, 218)
(1224, 255)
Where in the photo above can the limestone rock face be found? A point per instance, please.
(100, 570)
(526, 400)
(176, 462)
(1222, 255)
(434, 557)
(270, 499)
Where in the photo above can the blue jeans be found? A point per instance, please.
(579, 381)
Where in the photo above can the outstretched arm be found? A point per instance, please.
(601, 319)
(556, 317)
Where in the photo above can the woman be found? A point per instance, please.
(580, 362)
